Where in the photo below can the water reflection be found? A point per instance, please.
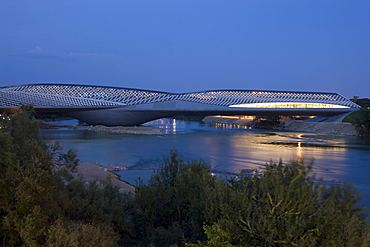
(225, 149)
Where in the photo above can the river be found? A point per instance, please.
(227, 149)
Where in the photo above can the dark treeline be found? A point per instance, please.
(42, 204)
(361, 119)
(364, 102)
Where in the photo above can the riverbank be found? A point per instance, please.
(143, 130)
(95, 171)
(335, 128)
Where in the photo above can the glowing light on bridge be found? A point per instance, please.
(289, 105)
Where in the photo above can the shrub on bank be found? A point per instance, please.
(361, 121)
(286, 206)
(41, 205)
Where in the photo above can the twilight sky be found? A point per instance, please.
(188, 45)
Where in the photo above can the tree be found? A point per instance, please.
(71, 234)
(361, 121)
(286, 206)
(61, 161)
(169, 210)
(27, 183)
(36, 202)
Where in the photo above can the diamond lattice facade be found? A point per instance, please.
(126, 106)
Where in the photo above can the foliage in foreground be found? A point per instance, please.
(42, 204)
(284, 206)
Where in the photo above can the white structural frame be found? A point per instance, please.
(74, 100)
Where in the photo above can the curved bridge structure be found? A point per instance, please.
(112, 106)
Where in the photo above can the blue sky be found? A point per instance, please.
(184, 46)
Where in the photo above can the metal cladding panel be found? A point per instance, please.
(57, 95)
(228, 97)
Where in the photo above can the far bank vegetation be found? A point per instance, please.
(361, 119)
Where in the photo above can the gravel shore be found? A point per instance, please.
(95, 171)
(145, 130)
(336, 128)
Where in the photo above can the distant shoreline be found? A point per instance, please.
(144, 130)
(335, 128)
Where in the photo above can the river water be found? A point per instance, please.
(227, 149)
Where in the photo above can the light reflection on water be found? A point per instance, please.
(226, 149)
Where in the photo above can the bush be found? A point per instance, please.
(169, 210)
(286, 206)
(361, 121)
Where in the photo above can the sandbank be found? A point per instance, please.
(95, 171)
(145, 130)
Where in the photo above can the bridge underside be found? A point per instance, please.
(122, 117)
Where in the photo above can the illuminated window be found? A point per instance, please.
(288, 105)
